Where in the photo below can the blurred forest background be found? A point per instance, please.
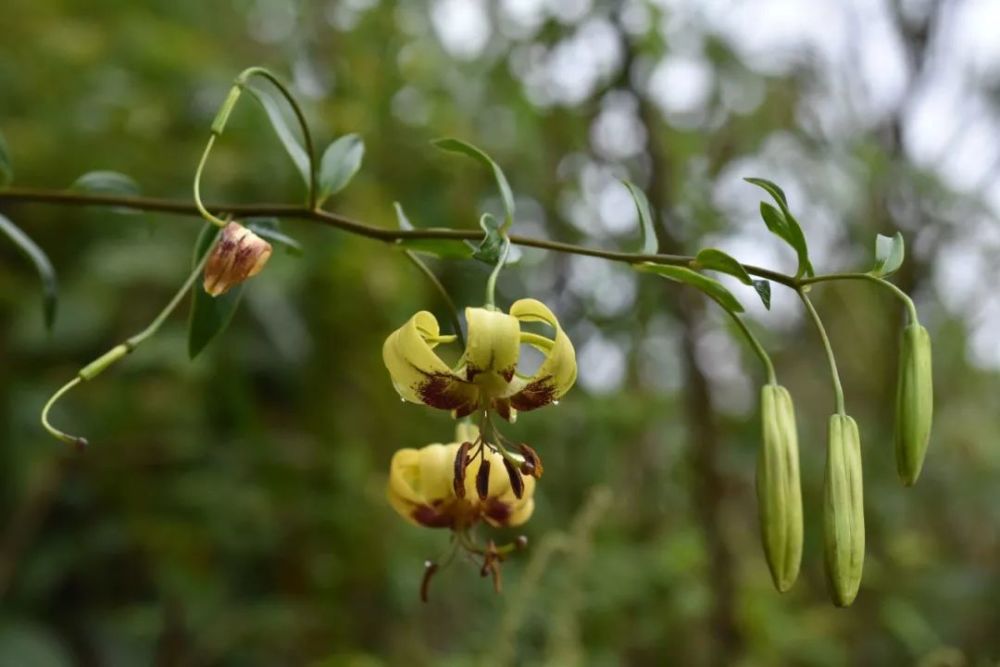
(231, 510)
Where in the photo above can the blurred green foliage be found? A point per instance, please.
(231, 509)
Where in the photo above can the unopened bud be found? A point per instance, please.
(843, 511)
(779, 493)
(239, 254)
(914, 403)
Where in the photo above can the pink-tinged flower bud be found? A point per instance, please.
(239, 254)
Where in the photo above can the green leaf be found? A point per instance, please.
(889, 254)
(6, 167)
(272, 107)
(270, 229)
(649, 242)
(459, 146)
(763, 288)
(716, 260)
(209, 315)
(106, 183)
(50, 288)
(492, 245)
(709, 286)
(443, 248)
(341, 161)
(783, 224)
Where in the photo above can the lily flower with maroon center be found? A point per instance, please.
(486, 375)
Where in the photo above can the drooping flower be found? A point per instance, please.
(423, 489)
(486, 375)
(238, 255)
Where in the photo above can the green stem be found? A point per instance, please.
(838, 390)
(491, 282)
(299, 115)
(218, 222)
(114, 355)
(911, 309)
(456, 323)
(755, 344)
(352, 226)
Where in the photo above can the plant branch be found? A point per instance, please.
(346, 224)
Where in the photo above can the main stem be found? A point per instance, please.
(349, 225)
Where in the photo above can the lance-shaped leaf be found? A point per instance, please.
(889, 254)
(763, 288)
(270, 229)
(649, 243)
(106, 183)
(443, 248)
(716, 260)
(6, 167)
(50, 288)
(709, 286)
(782, 223)
(341, 161)
(209, 315)
(287, 136)
(459, 146)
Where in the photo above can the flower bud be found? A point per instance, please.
(914, 403)
(843, 511)
(779, 494)
(239, 254)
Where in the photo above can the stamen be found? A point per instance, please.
(461, 461)
(516, 481)
(483, 480)
(532, 462)
(430, 567)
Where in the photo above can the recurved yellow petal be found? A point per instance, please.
(557, 373)
(492, 349)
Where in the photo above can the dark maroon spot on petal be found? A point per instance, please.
(471, 372)
(507, 374)
(439, 391)
(498, 511)
(465, 410)
(539, 393)
(502, 406)
(428, 516)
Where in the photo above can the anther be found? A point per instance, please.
(483, 480)
(461, 461)
(516, 481)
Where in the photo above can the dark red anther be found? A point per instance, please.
(458, 481)
(516, 481)
(430, 567)
(483, 480)
(532, 462)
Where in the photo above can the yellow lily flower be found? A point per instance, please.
(422, 488)
(486, 375)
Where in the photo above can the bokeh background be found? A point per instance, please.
(231, 510)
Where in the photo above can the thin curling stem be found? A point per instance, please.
(838, 390)
(911, 309)
(299, 116)
(772, 378)
(491, 283)
(114, 355)
(452, 308)
(218, 222)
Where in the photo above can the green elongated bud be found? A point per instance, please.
(779, 492)
(914, 403)
(843, 511)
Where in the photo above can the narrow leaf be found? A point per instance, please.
(209, 315)
(763, 288)
(459, 146)
(443, 248)
(401, 219)
(6, 166)
(709, 286)
(50, 288)
(341, 161)
(783, 224)
(772, 189)
(272, 107)
(889, 254)
(106, 183)
(270, 229)
(649, 243)
(716, 260)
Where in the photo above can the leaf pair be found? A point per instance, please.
(340, 162)
(783, 224)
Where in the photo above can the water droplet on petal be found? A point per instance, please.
(555, 402)
(402, 400)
